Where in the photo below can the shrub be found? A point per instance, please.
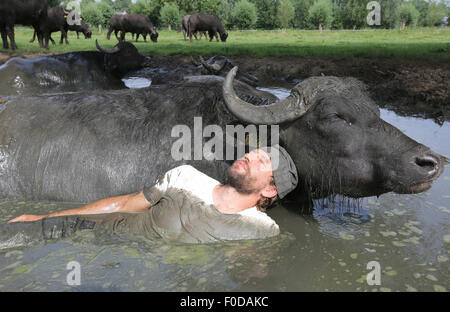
(170, 15)
(321, 12)
(408, 14)
(244, 14)
(286, 12)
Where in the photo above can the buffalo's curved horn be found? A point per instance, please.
(279, 112)
(113, 50)
(446, 160)
(214, 67)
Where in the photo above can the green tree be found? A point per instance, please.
(390, 13)
(286, 13)
(148, 8)
(337, 22)
(91, 14)
(244, 14)
(86, 2)
(355, 13)
(422, 7)
(266, 13)
(321, 12)
(53, 3)
(170, 15)
(121, 5)
(436, 11)
(408, 14)
(106, 11)
(301, 8)
(224, 12)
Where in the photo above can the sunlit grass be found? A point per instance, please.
(420, 43)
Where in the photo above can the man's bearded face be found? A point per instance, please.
(250, 174)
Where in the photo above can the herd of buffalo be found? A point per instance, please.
(45, 21)
(71, 131)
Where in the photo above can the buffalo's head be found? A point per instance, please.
(224, 36)
(121, 59)
(220, 65)
(340, 145)
(154, 35)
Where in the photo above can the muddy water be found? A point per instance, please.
(407, 235)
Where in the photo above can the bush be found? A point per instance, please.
(321, 12)
(148, 8)
(244, 14)
(408, 14)
(286, 12)
(435, 13)
(170, 15)
(92, 15)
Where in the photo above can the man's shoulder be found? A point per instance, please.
(189, 173)
(185, 169)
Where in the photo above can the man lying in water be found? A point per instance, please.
(189, 206)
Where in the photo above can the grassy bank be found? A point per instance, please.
(421, 43)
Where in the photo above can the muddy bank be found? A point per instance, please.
(420, 88)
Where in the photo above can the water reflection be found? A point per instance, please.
(136, 82)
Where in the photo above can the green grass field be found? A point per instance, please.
(420, 43)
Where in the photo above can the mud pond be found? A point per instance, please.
(408, 235)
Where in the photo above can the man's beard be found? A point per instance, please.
(243, 183)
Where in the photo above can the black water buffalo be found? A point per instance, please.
(86, 146)
(207, 22)
(217, 65)
(24, 12)
(75, 71)
(184, 27)
(83, 28)
(221, 65)
(57, 21)
(134, 23)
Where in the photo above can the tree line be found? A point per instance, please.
(273, 14)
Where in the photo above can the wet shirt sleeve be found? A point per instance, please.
(155, 192)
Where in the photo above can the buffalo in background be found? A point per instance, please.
(57, 21)
(83, 28)
(184, 26)
(207, 22)
(134, 23)
(25, 12)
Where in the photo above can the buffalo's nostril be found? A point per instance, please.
(428, 163)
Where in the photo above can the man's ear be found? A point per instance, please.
(269, 191)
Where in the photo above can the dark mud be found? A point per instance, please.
(419, 87)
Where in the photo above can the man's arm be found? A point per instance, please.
(135, 202)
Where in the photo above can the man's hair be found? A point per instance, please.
(266, 202)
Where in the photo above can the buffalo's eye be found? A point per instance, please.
(334, 117)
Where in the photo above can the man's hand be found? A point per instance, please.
(27, 218)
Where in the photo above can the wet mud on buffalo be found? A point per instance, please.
(75, 71)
